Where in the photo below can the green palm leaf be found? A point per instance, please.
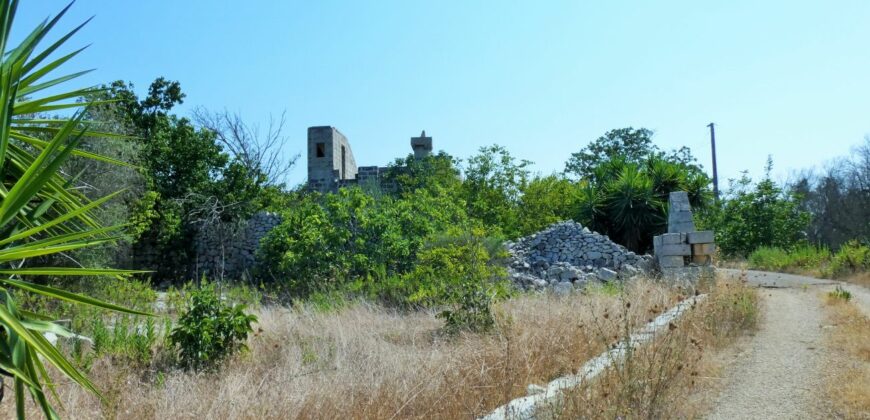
(40, 213)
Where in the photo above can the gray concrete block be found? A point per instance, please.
(676, 249)
(672, 238)
(701, 237)
(671, 261)
(680, 216)
(683, 227)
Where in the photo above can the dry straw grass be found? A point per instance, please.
(676, 376)
(369, 362)
(849, 343)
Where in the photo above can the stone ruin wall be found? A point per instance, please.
(229, 252)
(331, 164)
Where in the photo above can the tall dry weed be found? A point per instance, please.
(848, 340)
(366, 361)
(674, 376)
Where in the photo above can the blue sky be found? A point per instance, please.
(787, 78)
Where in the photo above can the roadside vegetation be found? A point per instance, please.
(851, 262)
(679, 373)
(848, 385)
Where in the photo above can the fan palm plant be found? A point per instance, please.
(40, 213)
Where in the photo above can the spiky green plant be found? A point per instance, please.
(40, 213)
(633, 207)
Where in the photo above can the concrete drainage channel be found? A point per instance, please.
(524, 407)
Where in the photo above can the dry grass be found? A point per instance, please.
(677, 375)
(862, 278)
(849, 344)
(369, 362)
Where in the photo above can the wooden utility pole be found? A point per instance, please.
(715, 173)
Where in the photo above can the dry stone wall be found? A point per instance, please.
(229, 251)
(567, 255)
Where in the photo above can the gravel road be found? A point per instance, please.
(779, 373)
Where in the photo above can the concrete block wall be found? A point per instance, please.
(680, 213)
(682, 245)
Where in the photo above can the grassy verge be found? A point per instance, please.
(850, 263)
(849, 343)
(676, 376)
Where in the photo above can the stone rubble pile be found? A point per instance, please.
(567, 255)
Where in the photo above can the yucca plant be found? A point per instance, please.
(634, 210)
(40, 213)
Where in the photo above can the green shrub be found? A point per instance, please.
(852, 257)
(801, 259)
(329, 242)
(210, 330)
(470, 310)
(752, 215)
(840, 293)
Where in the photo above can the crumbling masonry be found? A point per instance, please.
(331, 164)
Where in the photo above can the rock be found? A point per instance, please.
(629, 271)
(563, 288)
(606, 274)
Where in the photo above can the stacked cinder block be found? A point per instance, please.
(682, 244)
(680, 213)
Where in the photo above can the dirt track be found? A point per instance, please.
(780, 371)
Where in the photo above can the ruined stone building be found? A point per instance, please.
(331, 164)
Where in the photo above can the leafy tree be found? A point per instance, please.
(758, 215)
(838, 199)
(629, 144)
(625, 181)
(327, 241)
(546, 200)
(435, 172)
(494, 181)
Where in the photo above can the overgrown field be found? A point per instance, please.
(366, 361)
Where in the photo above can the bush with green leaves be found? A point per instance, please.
(547, 200)
(493, 186)
(853, 257)
(460, 271)
(326, 242)
(803, 258)
(753, 215)
(210, 330)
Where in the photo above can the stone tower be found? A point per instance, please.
(330, 160)
(422, 145)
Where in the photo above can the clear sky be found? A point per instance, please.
(542, 78)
